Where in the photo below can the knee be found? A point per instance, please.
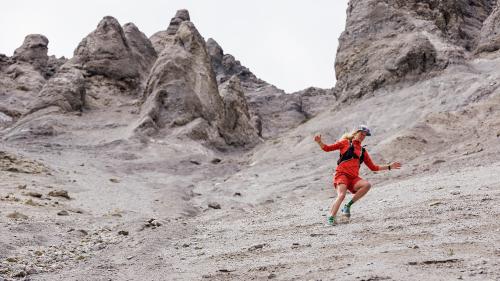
(341, 195)
(368, 186)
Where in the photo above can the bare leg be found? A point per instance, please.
(341, 190)
(362, 187)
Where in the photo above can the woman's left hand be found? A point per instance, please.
(395, 165)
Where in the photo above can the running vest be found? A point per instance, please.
(349, 154)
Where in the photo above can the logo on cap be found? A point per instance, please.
(364, 128)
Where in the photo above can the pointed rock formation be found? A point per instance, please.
(182, 96)
(182, 80)
(106, 52)
(160, 38)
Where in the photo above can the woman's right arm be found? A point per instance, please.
(326, 147)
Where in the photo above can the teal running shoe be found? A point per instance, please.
(346, 211)
(331, 221)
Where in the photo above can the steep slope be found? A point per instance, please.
(117, 176)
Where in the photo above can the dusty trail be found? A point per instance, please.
(434, 226)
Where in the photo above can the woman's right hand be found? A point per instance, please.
(317, 138)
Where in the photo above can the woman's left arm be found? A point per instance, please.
(391, 166)
(368, 161)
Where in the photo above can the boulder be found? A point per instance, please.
(33, 51)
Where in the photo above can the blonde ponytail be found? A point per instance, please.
(349, 136)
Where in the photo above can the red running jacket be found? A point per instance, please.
(351, 166)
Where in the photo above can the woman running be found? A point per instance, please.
(352, 154)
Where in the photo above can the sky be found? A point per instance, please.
(290, 44)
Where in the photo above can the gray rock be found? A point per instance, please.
(257, 247)
(214, 205)
(63, 213)
(59, 193)
(153, 223)
(33, 51)
(34, 194)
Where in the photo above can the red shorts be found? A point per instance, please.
(349, 181)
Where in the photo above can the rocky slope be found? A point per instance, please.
(184, 165)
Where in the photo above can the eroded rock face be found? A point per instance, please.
(161, 38)
(33, 51)
(390, 41)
